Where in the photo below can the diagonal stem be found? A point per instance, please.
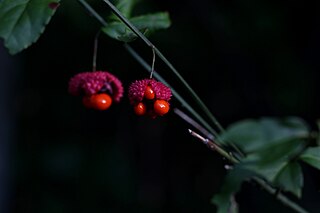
(193, 123)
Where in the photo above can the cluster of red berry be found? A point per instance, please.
(149, 97)
(100, 89)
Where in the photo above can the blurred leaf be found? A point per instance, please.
(224, 200)
(253, 135)
(125, 7)
(312, 157)
(23, 21)
(145, 23)
(290, 178)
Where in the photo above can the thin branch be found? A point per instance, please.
(214, 147)
(95, 52)
(193, 123)
(92, 12)
(281, 197)
(153, 61)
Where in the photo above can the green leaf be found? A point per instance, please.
(253, 135)
(125, 7)
(145, 23)
(22, 21)
(312, 157)
(290, 178)
(224, 200)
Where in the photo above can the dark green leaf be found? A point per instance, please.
(22, 21)
(290, 178)
(253, 135)
(145, 23)
(125, 7)
(224, 200)
(312, 157)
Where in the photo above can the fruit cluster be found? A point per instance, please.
(149, 97)
(99, 89)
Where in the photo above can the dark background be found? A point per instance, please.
(245, 59)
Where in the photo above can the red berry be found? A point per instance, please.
(149, 93)
(161, 107)
(100, 101)
(140, 109)
(86, 101)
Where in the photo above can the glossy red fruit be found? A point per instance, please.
(86, 101)
(149, 93)
(161, 107)
(140, 109)
(100, 101)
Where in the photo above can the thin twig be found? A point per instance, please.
(214, 147)
(193, 123)
(281, 197)
(92, 12)
(153, 61)
(95, 52)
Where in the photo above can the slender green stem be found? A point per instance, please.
(166, 61)
(92, 12)
(95, 52)
(283, 199)
(153, 61)
(193, 123)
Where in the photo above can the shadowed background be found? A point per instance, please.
(243, 58)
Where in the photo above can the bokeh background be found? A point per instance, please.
(245, 59)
